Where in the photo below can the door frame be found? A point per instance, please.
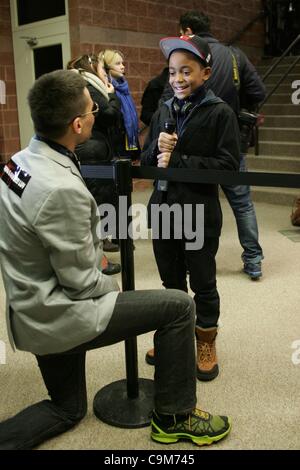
(48, 32)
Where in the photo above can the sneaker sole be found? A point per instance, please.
(199, 441)
(253, 276)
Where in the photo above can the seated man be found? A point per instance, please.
(59, 305)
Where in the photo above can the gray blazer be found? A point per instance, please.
(50, 254)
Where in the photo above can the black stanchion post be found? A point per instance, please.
(124, 188)
(126, 403)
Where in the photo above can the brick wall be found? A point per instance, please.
(134, 27)
(9, 127)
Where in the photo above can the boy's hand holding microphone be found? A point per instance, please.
(166, 143)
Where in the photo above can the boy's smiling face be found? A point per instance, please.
(186, 73)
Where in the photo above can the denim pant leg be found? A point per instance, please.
(172, 313)
(64, 377)
(239, 198)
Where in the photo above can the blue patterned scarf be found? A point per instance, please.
(128, 111)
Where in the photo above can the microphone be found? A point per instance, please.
(169, 127)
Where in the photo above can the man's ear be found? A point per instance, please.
(207, 73)
(77, 125)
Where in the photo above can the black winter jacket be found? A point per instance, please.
(208, 139)
(152, 94)
(98, 150)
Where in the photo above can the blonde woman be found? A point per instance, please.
(127, 143)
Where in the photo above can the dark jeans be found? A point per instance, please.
(173, 261)
(171, 313)
(239, 198)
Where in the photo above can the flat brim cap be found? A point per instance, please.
(194, 44)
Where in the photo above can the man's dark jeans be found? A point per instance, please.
(170, 312)
(239, 198)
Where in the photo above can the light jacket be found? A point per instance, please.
(50, 254)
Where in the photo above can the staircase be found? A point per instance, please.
(279, 137)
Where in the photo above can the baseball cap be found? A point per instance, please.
(194, 44)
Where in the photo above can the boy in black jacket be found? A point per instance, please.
(206, 137)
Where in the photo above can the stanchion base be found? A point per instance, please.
(112, 405)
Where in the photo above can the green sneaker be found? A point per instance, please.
(200, 427)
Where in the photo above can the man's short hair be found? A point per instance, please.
(197, 21)
(55, 99)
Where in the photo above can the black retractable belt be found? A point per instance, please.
(185, 175)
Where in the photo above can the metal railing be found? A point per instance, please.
(272, 91)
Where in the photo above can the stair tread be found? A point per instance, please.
(281, 94)
(267, 170)
(275, 157)
(295, 129)
(268, 189)
(279, 142)
(280, 104)
(280, 75)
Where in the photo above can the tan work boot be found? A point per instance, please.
(207, 363)
(150, 358)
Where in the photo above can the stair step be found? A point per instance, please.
(283, 87)
(283, 109)
(280, 98)
(279, 137)
(280, 196)
(280, 69)
(275, 77)
(290, 134)
(281, 120)
(279, 148)
(271, 60)
(273, 164)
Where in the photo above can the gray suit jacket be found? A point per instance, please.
(50, 254)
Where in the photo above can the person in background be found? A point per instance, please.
(152, 94)
(235, 80)
(59, 305)
(98, 150)
(127, 136)
(206, 137)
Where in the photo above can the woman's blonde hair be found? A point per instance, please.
(108, 57)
